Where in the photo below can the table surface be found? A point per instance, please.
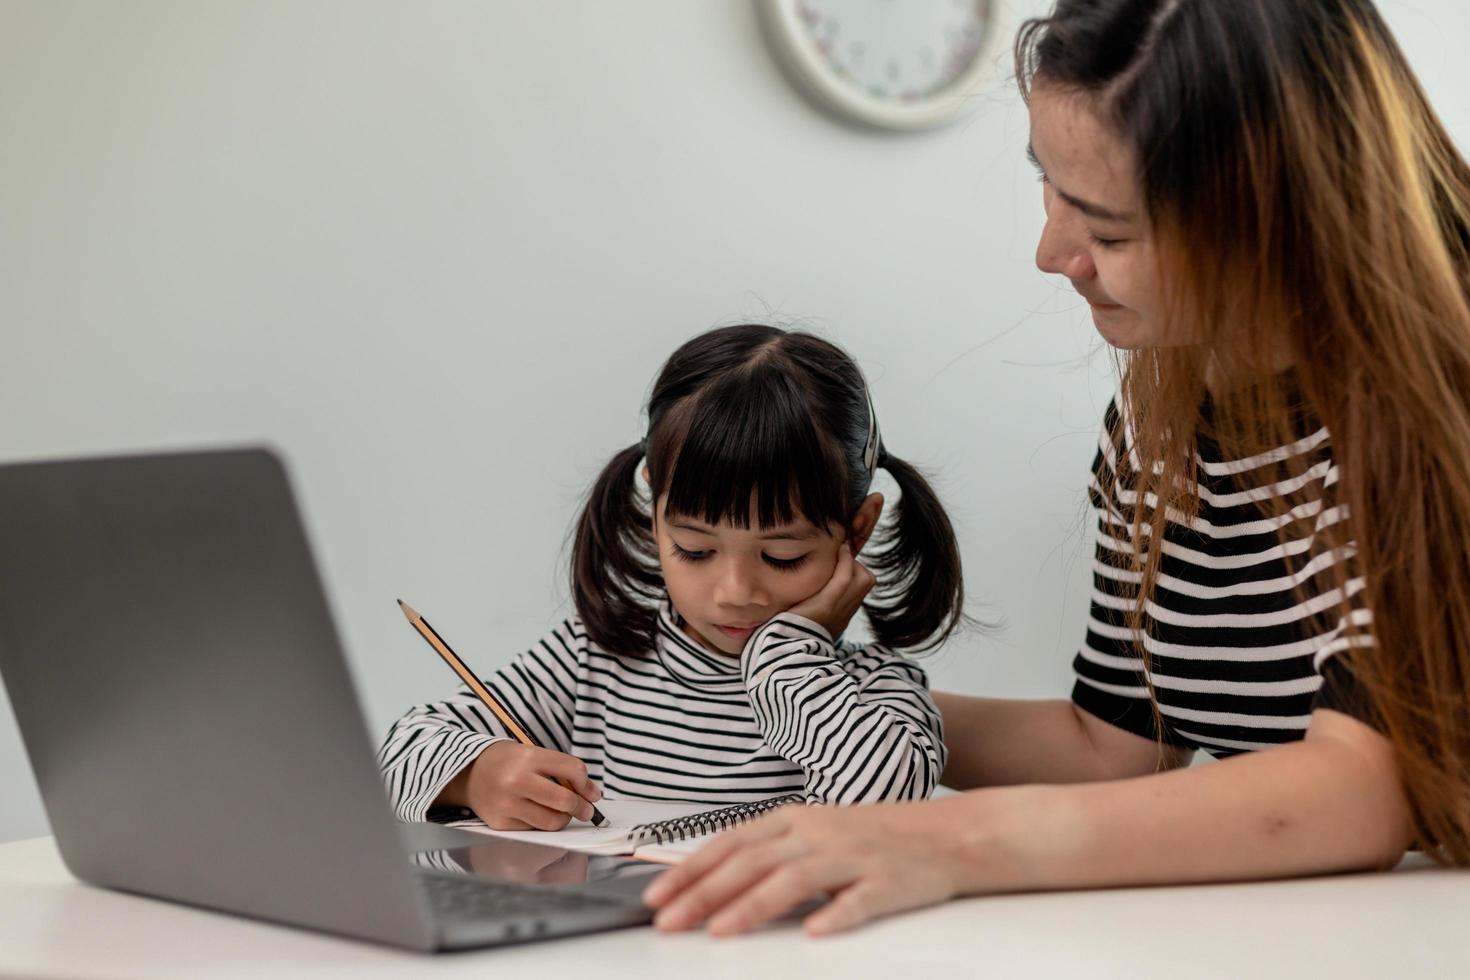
(1406, 923)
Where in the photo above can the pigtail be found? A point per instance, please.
(920, 596)
(616, 583)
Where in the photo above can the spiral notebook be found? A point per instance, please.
(654, 831)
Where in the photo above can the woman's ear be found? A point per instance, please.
(866, 520)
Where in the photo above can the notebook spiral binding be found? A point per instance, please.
(709, 822)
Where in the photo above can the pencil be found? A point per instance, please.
(481, 691)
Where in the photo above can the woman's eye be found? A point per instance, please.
(684, 555)
(785, 564)
(1105, 242)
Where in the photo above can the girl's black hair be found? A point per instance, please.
(784, 418)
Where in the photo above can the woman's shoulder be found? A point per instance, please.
(1113, 433)
(1112, 445)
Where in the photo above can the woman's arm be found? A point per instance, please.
(999, 742)
(1331, 802)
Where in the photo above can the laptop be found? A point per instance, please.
(183, 698)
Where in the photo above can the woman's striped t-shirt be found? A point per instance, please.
(1242, 629)
(795, 713)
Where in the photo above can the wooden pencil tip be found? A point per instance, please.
(408, 610)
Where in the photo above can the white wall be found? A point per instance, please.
(437, 253)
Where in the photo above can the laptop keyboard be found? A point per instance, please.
(480, 899)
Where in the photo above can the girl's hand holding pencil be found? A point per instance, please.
(516, 787)
(523, 773)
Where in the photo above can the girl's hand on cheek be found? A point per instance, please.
(839, 600)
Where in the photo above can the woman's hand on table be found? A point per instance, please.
(872, 860)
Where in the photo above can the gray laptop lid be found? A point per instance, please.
(183, 697)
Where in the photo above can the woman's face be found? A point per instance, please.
(1096, 234)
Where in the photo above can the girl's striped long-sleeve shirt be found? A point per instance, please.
(795, 713)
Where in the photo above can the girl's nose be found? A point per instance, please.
(738, 585)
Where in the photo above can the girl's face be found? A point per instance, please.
(1097, 233)
(727, 581)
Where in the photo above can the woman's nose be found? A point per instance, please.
(1063, 250)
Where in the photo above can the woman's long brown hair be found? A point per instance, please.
(1309, 209)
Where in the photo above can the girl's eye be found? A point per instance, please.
(780, 564)
(1105, 242)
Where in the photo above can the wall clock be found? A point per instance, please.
(893, 64)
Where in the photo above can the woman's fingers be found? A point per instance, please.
(864, 900)
(724, 884)
(673, 882)
(889, 883)
(779, 891)
(750, 877)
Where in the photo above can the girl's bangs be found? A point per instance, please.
(750, 446)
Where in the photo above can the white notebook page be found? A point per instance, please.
(622, 817)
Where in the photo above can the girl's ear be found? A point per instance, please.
(866, 520)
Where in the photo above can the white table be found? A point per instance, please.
(1411, 922)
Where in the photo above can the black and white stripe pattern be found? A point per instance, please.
(795, 714)
(1237, 648)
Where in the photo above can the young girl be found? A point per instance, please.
(705, 661)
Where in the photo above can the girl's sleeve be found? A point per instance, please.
(859, 720)
(429, 745)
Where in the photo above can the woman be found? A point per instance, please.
(1270, 223)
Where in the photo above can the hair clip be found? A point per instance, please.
(871, 447)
